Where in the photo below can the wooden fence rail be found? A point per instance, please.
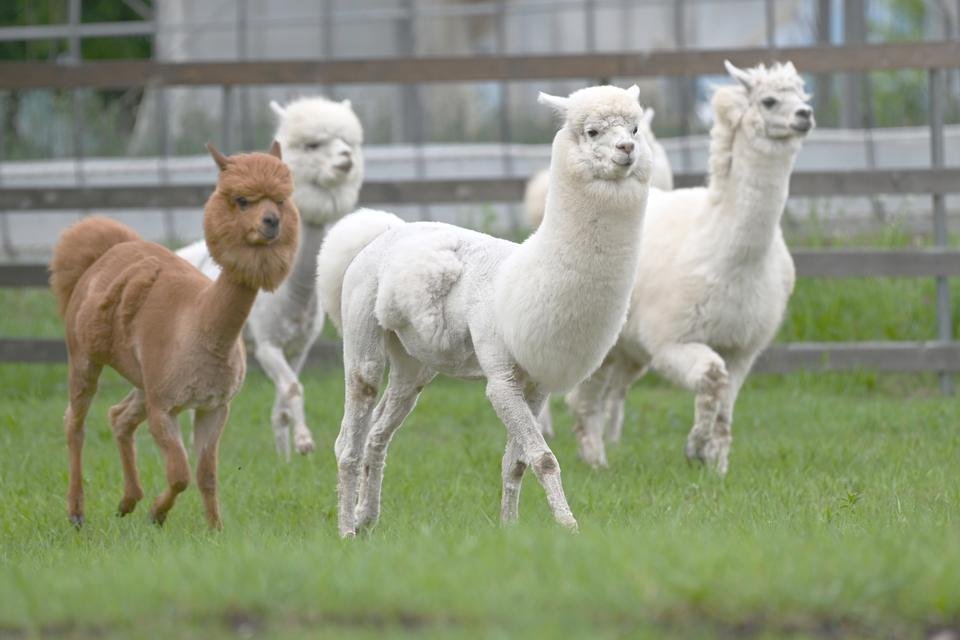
(811, 263)
(155, 196)
(888, 357)
(411, 70)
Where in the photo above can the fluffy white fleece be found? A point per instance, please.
(714, 274)
(321, 143)
(431, 298)
(535, 194)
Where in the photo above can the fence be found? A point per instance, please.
(941, 355)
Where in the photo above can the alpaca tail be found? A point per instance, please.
(78, 248)
(343, 242)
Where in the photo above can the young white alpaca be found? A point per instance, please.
(321, 142)
(535, 194)
(715, 274)
(533, 318)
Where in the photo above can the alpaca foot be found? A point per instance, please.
(367, 517)
(304, 442)
(569, 523)
(157, 516)
(76, 519)
(592, 451)
(127, 504)
(716, 453)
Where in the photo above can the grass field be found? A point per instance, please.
(840, 517)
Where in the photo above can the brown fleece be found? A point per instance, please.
(138, 308)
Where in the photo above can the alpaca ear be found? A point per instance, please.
(275, 150)
(221, 160)
(739, 75)
(789, 66)
(648, 114)
(559, 104)
(634, 92)
(277, 109)
(346, 103)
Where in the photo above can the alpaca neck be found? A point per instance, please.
(752, 197)
(299, 291)
(223, 311)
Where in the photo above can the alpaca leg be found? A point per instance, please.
(407, 378)
(623, 374)
(511, 470)
(125, 417)
(208, 427)
(700, 369)
(288, 406)
(166, 433)
(512, 407)
(363, 364)
(586, 403)
(83, 386)
(512, 467)
(716, 451)
(545, 418)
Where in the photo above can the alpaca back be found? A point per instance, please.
(343, 242)
(78, 249)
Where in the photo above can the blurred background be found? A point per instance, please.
(91, 137)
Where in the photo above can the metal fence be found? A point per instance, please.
(941, 354)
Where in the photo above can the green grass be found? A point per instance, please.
(840, 517)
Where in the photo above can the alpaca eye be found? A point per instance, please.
(635, 129)
(242, 202)
(769, 103)
(311, 146)
(593, 133)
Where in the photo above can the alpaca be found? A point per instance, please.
(715, 274)
(535, 194)
(321, 142)
(530, 319)
(172, 333)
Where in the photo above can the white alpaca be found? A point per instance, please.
(715, 274)
(533, 318)
(535, 194)
(321, 142)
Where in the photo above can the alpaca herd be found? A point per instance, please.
(621, 275)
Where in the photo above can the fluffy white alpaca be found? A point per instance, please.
(714, 275)
(535, 194)
(321, 142)
(533, 318)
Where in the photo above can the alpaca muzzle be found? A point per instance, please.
(270, 226)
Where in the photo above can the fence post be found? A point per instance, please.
(940, 235)
(7, 239)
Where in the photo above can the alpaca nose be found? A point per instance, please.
(271, 225)
(345, 164)
(804, 112)
(626, 147)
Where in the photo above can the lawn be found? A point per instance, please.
(840, 517)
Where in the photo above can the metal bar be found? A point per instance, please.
(459, 69)
(243, 93)
(7, 235)
(682, 85)
(83, 30)
(941, 236)
(148, 196)
(770, 22)
(506, 130)
(76, 97)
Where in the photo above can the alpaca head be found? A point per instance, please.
(250, 222)
(321, 144)
(602, 136)
(769, 105)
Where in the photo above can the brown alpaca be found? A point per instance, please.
(135, 306)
